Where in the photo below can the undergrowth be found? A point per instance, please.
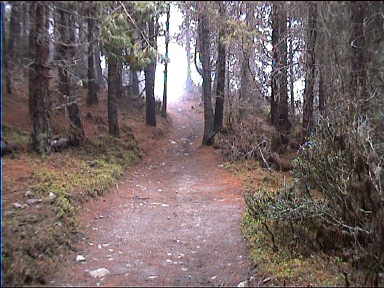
(331, 211)
(281, 258)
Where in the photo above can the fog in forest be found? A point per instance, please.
(177, 67)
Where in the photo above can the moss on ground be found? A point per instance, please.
(36, 237)
(15, 135)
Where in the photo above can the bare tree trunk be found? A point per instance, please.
(247, 48)
(134, 82)
(92, 89)
(119, 79)
(26, 26)
(283, 119)
(39, 98)
(322, 93)
(113, 79)
(291, 76)
(65, 55)
(149, 72)
(359, 69)
(207, 81)
(13, 44)
(274, 73)
(279, 97)
(188, 50)
(219, 106)
(310, 69)
(99, 71)
(164, 107)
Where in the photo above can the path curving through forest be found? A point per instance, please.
(174, 220)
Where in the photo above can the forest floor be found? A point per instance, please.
(172, 220)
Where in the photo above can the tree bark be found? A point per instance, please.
(310, 69)
(291, 76)
(39, 98)
(207, 81)
(188, 84)
(113, 79)
(359, 69)
(279, 97)
(246, 45)
(275, 40)
(100, 83)
(13, 44)
(134, 82)
(221, 61)
(164, 106)
(149, 72)
(322, 93)
(92, 98)
(282, 71)
(65, 55)
(119, 79)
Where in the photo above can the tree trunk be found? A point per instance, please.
(164, 107)
(113, 85)
(65, 55)
(322, 93)
(100, 83)
(119, 79)
(188, 84)
(359, 68)
(274, 80)
(283, 119)
(92, 89)
(279, 97)
(207, 81)
(25, 28)
(310, 69)
(221, 61)
(39, 98)
(13, 44)
(247, 48)
(134, 82)
(149, 72)
(291, 76)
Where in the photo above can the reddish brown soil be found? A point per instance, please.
(173, 220)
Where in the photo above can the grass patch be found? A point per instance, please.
(37, 236)
(15, 135)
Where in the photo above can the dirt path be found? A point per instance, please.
(174, 220)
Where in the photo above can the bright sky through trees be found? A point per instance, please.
(177, 67)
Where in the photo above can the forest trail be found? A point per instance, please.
(173, 220)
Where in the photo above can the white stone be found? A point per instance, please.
(28, 194)
(153, 277)
(18, 205)
(51, 196)
(243, 284)
(99, 273)
(80, 258)
(33, 201)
